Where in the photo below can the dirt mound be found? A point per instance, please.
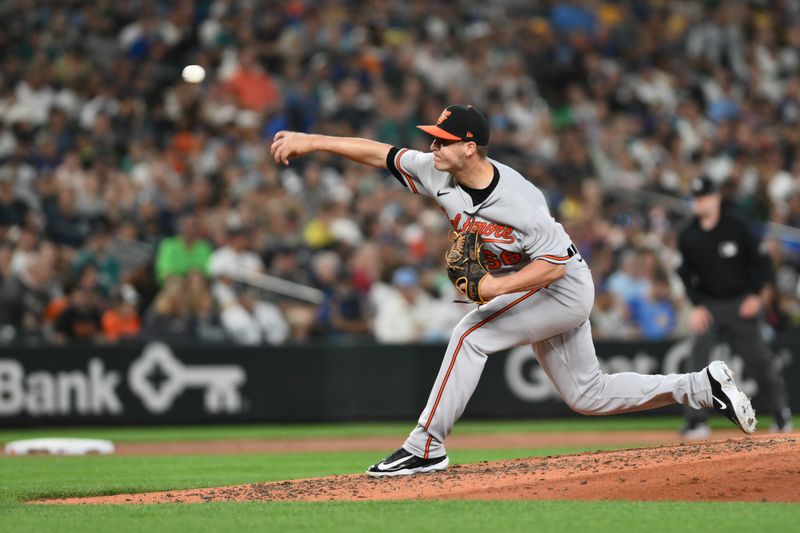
(742, 469)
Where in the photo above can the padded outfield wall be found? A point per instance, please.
(158, 383)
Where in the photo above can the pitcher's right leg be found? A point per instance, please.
(569, 360)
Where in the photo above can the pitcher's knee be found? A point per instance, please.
(583, 405)
(588, 401)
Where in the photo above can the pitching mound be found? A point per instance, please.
(743, 469)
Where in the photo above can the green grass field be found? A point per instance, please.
(25, 478)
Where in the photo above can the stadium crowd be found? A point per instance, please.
(131, 201)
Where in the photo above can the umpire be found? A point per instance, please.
(724, 272)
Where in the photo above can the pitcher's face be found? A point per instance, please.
(447, 155)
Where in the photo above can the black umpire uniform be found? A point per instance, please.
(721, 267)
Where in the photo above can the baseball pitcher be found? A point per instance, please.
(529, 282)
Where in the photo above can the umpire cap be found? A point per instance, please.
(703, 186)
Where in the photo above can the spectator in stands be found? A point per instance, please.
(404, 312)
(655, 315)
(24, 297)
(629, 284)
(96, 252)
(232, 262)
(285, 263)
(121, 321)
(169, 318)
(131, 253)
(610, 318)
(205, 322)
(251, 322)
(13, 210)
(65, 224)
(447, 307)
(342, 314)
(251, 85)
(80, 322)
(184, 252)
(26, 249)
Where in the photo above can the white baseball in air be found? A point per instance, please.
(193, 73)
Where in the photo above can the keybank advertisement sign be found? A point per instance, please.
(157, 383)
(156, 378)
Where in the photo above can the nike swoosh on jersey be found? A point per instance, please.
(440, 193)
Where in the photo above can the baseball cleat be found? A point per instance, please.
(728, 399)
(405, 463)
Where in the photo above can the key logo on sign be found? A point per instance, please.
(221, 382)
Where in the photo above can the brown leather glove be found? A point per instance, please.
(464, 266)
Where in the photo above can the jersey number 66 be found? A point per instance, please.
(492, 262)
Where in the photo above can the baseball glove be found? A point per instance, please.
(464, 266)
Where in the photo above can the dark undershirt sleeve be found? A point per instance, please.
(390, 157)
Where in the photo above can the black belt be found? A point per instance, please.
(571, 250)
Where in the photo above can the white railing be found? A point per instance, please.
(276, 285)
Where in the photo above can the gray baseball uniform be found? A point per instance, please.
(517, 227)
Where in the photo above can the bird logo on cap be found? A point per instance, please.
(443, 116)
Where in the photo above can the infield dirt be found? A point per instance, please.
(764, 468)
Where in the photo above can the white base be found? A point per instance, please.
(60, 446)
